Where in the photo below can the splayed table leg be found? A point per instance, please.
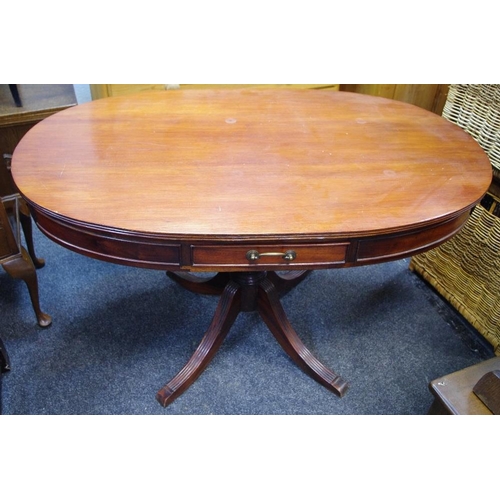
(245, 292)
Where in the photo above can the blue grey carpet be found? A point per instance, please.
(120, 333)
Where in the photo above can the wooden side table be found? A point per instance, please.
(453, 393)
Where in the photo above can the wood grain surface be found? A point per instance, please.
(235, 165)
(249, 162)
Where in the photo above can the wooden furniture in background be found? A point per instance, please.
(14, 258)
(487, 389)
(246, 184)
(454, 393)
(17, 208)
(101, 90)
(428, 96)
(466, 269)
(39, 102)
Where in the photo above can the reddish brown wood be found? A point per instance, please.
(39, 102)
(193, 181)
(207, 286)
(20, 266)
(454, 393)
(227, 311)
(25, 220)
(245, 292)
(284, 282)
(487, 390)
(13, 203)
(274, 316)
(215, 285)
(15, 260)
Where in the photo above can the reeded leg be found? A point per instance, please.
(21, 267)
(247, 291)
(274, 316)
(225, 315)
(210, 286)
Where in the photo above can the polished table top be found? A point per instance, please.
(185, 171)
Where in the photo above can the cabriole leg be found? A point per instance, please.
(21, 267)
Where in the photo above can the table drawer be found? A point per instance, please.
(322, 254)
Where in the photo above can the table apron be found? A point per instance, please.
(160, 252)
(372, 250)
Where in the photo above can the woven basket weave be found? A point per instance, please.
(466, 269)
(476, 109)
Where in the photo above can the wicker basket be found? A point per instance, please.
(476, 109)
(466, 269)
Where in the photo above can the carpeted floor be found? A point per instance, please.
(119, 334)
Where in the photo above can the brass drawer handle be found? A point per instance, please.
(254, 255)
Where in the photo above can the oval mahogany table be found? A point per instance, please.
(259, 187)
